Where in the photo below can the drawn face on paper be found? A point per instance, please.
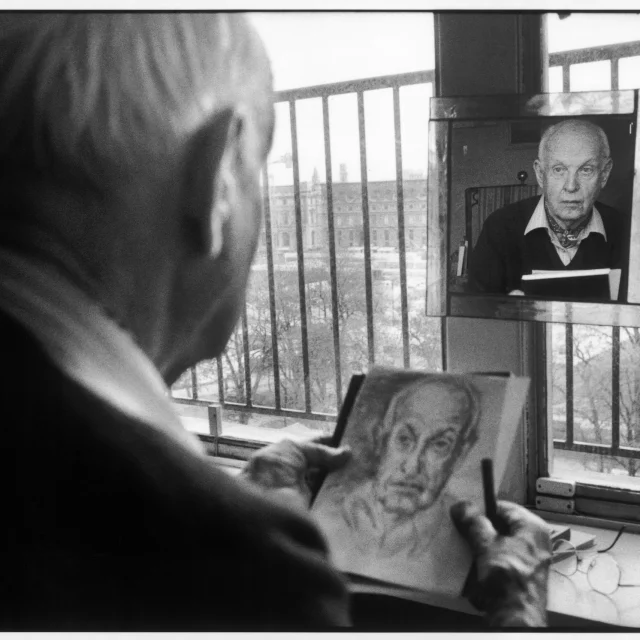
(422, 448)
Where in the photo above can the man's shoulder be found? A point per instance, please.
(513, 215)
(610, 215)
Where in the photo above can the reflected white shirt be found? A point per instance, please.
(539, 221)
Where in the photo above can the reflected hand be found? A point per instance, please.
(512, 564)
(284, 467)
(516, 292)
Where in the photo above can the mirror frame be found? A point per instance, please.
(444, 112)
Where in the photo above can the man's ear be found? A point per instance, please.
(208, 186)
(537, 167)
(606, 172)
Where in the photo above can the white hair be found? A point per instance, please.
(574, 125)
(86, 95)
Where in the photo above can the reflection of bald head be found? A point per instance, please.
(565, 132)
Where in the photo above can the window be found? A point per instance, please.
(386, 238)
(289, 362)
(593, 372)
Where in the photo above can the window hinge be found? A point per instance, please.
(552, 487)
(557, 505)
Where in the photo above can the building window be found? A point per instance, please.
(386, 238)
(374, 237)
(285, 239)
(352, 240)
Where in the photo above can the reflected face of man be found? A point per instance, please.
(571, 173)
(421, 449)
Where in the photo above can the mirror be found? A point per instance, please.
(516, 237)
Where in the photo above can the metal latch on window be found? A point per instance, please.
(555, 495)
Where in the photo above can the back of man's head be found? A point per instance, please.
(86, 98)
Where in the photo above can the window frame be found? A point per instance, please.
(591, 499)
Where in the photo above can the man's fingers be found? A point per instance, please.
(519, 521)
(474, 527)
(517, 518)
(320, 455)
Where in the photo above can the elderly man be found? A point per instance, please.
(130, 154)
(426, 432)
(565, 229)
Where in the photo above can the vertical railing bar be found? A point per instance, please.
(220, 380)
(247, 357)
(401, 235)
(566, 78)
(194, 383)
(365, 227)
(300, 251)
(332, 252)
(569, 381)
(266, 208)
(614, 74)
(615, 390)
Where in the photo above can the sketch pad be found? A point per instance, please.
(417, 440)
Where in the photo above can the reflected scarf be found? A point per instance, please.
(567, 237)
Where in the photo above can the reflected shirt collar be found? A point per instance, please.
(86, 344)
(539, 221)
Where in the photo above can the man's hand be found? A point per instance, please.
(283, 467)
(511, 564)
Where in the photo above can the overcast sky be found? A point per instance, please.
(310, 48)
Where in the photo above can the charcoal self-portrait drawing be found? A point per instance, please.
(422, 438)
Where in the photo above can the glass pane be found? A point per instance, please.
(601, 414)
(554, 79)
(629, 72)
(590, 76)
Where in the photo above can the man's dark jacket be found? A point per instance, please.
(503, 254)
(108, 525)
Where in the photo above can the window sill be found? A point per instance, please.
(573, 602)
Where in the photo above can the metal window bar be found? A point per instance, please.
(569, 382)
(335, 324)
(299, 250)
(365, 227)
(246, 356)
(194, 383)
(615, 390)
(404, 303)
(266, 209)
